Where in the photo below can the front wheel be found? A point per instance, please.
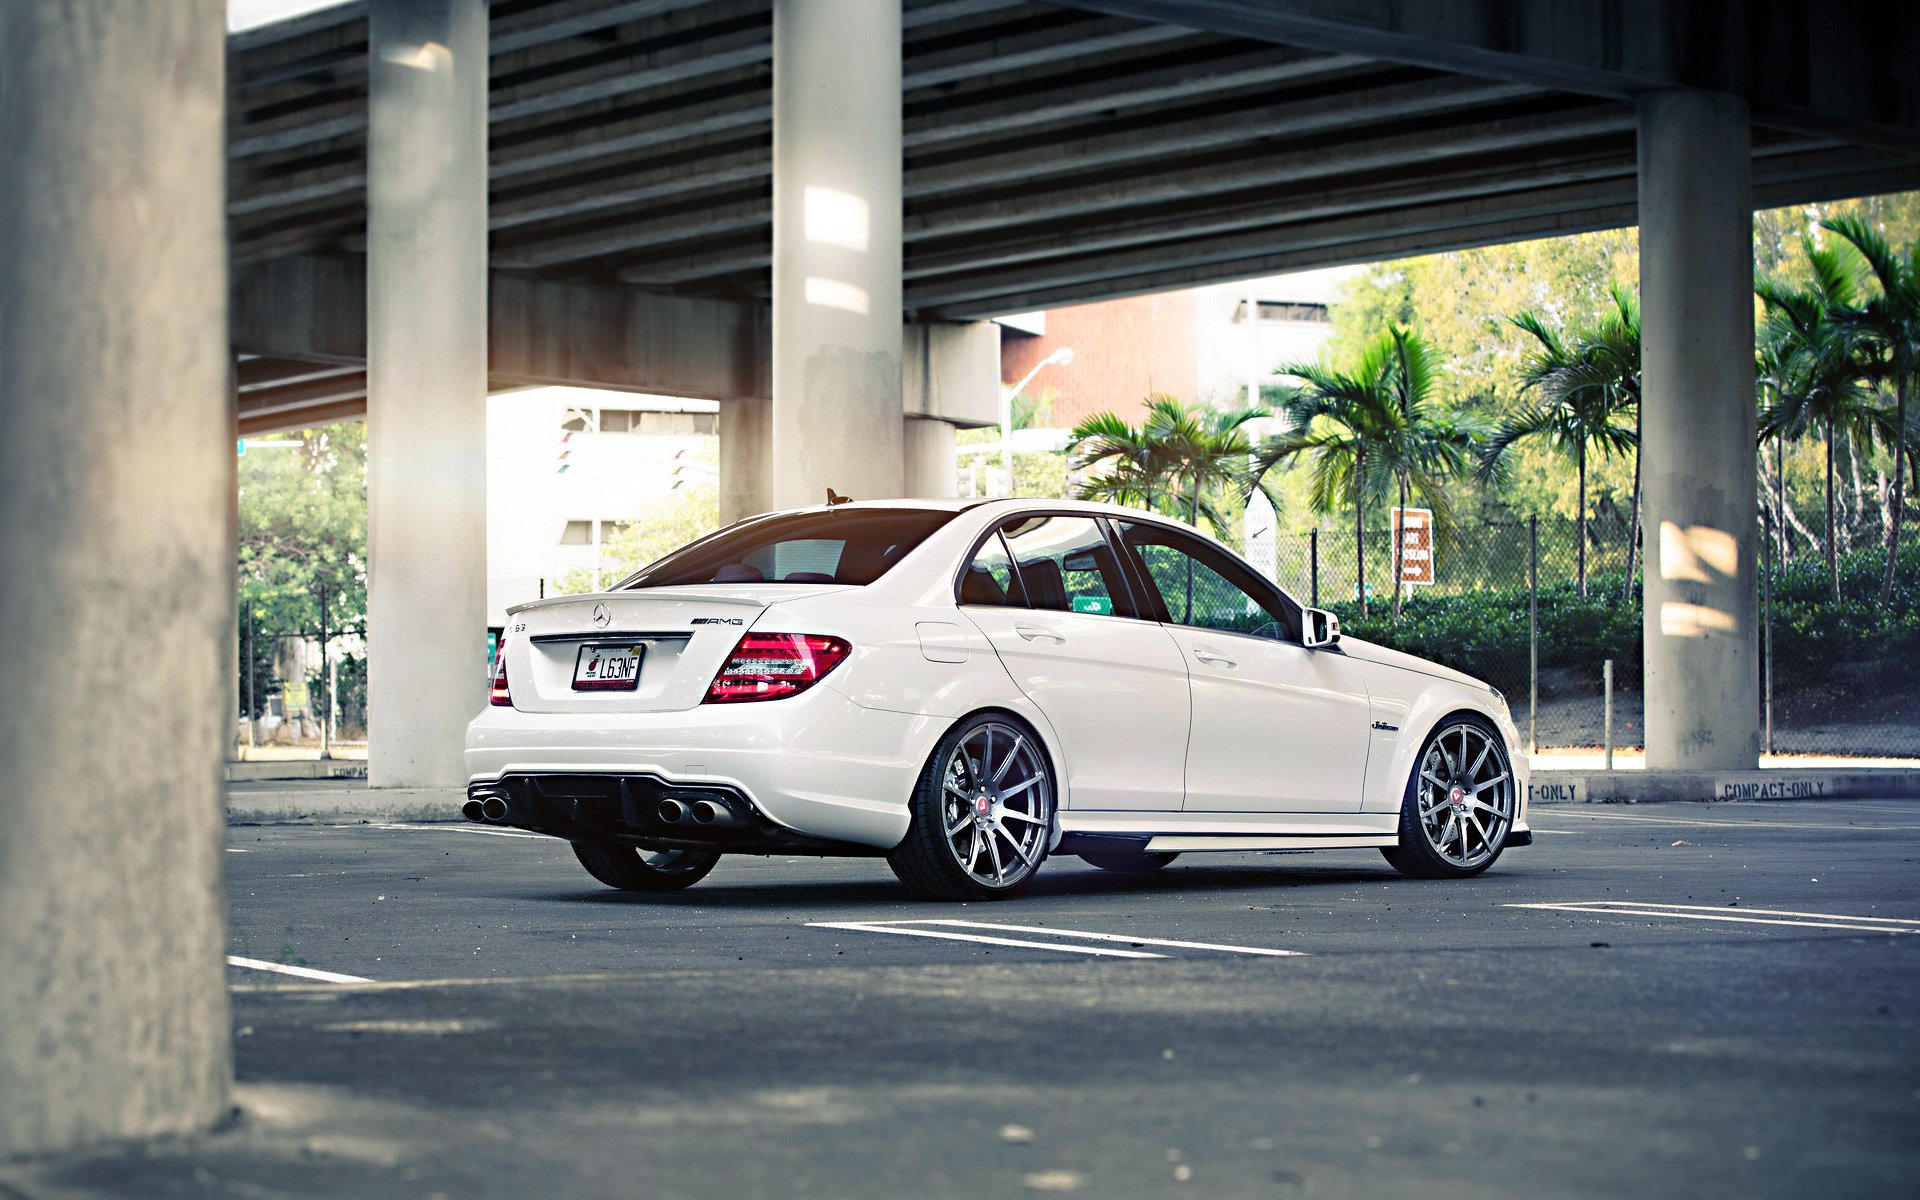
(982, 814)
(1459, 805)
(631, 869)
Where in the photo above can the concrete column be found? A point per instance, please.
(930, 469)
(426, 386)
(116, 571)
(836, 250)
(1696, 281)
(746, 458)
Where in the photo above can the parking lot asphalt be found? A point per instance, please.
(1664, 1000)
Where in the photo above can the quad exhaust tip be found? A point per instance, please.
(671, 812)
(493, 808)
(712, 812)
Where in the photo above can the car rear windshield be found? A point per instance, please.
(846, 546)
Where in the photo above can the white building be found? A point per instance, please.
(567, 467)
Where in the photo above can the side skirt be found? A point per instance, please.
(1188, 832)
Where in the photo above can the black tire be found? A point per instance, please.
(1128, 862)
(1468, 782)
(1003, 814)
(627, 867)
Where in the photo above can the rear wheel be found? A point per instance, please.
(982, 814)
(627, 867)
(1459, 805)
(1127, 862)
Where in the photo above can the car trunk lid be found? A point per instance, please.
(682, 636)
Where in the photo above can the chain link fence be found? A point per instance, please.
(1513, 604)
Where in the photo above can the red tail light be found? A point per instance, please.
(767, 666)
(497, 691)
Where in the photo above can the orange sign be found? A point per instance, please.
(1413, 535)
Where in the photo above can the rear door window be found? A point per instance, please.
(989, 579)
(1066, 564)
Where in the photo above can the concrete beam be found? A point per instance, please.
(1279, 244)
(539, 332)
(1832, 68)
(1207, 128)
(951, 372)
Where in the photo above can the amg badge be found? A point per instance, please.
(719, 621)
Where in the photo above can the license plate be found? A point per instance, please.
(607, 668)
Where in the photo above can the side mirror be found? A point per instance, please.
(1319, 628)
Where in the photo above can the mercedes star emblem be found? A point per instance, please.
(602, 615)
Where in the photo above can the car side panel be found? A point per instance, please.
(923, 661)
(1415, 703)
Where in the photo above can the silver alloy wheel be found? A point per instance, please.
(1465, 795)
(996, 805)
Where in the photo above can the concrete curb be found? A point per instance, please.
(255, 769)
(1667, 787)
(326, 806)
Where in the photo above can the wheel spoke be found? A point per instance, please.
(1015, 843)
(973, 848)
(1017, 815)
(993, 852)
(1500, 778)
(1433, 779)
(1011, 757)
(1486, 843)
(966, 818)
(1017, 788)
(1486, 748)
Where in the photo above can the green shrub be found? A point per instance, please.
(1484, 633)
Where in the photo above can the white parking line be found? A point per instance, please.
(892, 927)
(1744, 916)
(1727, 824)
(513, 833)
(918, 928)
(1120, 937)
(255, 964)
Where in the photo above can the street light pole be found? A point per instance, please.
(1062, 356)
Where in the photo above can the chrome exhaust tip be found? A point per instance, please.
(671, 812)
(712, 812)
(471, 810)
(493, 808)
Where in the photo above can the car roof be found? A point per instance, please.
(990, 506)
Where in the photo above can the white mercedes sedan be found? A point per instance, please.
(966, 688)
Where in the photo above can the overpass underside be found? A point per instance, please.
(1054, 154)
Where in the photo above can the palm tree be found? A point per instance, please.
(1178, 448)
(1134, 462)
(1582, 386)
(1810, 365)
(1374, 432)
(1889, 323)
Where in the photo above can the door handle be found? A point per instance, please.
(1034, 633)
(1208, 656)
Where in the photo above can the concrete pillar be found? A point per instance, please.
(116, 571)
(836, 250)
(746, 458)
(930, 468)
(426, 386)
(1696, 281)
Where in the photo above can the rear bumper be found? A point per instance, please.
(815, 765)
(630, 807)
